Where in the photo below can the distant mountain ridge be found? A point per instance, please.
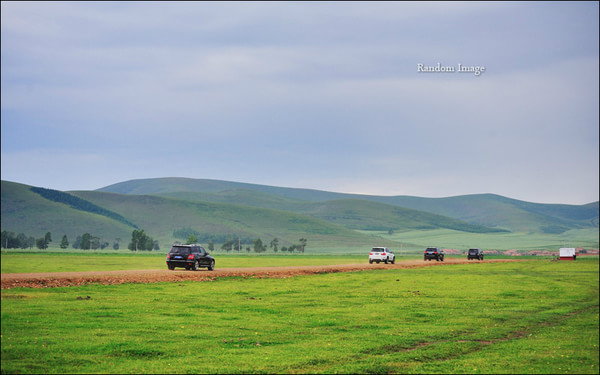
(487, 210)
(168, 208)
(26, 211)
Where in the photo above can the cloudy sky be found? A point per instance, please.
(322, 95)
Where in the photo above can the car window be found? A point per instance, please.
(180, 250)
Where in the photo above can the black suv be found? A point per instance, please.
(475, 254)
(191, 257)
(433, 253)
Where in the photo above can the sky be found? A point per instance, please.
(356, 97)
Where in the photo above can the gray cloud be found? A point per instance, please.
(319, 95)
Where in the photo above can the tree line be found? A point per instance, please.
(10, 240)
(141, 241)
(257, 245)
(187, 232)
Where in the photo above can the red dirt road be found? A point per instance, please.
(59, 279)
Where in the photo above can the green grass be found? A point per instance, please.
(21, 262)
(526, 317)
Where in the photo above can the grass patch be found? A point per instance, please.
(526, 317)
(21, 262)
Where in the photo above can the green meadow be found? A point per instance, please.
(71, 261)
(537, 316)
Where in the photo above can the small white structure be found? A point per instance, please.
(567, 253)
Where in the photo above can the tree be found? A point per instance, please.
(41, 243)
(86, 242)
(191, 240)
(211, 245)
(273, 244)
(227, 246)
(8, 239)
(303, 242)
(258, 245)
(11, 241)
(140, 241)
(22, 241)
(48, 237)
(77, 243)
(64, 243)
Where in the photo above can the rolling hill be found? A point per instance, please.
(24, 210)
(487, 210)
(169, 209)
(163, 216)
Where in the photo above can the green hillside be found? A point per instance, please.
(497, 211)
(480, 209)
(246, 197)
(25, 211)
(161, 217)
(170, 214)
(366, 215)
(180, 184)
(350, 213)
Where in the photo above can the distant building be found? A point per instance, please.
(567, 253)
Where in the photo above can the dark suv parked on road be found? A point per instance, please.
(433, 253)
(475, 254)
(190, 257)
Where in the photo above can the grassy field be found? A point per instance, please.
(528, 317)
(21, 262)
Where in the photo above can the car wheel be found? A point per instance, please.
(385, 261)
(171, 267)
(196, 266)
(370, 261)
(393, 260)
(442, 259)
(212, 265)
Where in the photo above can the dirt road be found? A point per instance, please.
(58, 279)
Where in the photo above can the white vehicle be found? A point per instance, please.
(381, 254)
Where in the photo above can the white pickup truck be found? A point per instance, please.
(381, 254)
